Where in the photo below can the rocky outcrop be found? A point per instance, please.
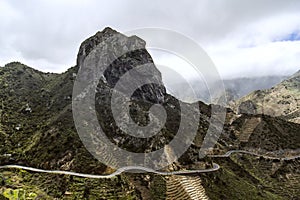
(46, 137)
(126, 54)
(247, 107)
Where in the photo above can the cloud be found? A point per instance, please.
(276, 58)
(242, 37)
(260, 48)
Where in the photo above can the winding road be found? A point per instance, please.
(130, 168)
(228, 153)
(118, 172)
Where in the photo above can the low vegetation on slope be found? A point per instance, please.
(37, 129)
(282, 100)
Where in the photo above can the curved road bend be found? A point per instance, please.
(228, 153)
(130, 168)
(118, 172)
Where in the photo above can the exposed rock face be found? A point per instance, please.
(89, 44)
(118, 58)
(247, 107)
(128, 61)
(46, 137)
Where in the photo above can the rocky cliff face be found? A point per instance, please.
(116, 55)
(37, 129)
(133, 55)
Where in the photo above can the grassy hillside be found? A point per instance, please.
(37, 129)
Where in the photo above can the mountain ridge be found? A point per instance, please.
(38, 130)
(282, 100)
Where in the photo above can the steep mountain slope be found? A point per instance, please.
(37, 129)
(260, 133)
(250, 177)
(282, 100)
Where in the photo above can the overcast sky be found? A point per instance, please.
(243, 38)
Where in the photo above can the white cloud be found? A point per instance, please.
(259, 48)
(268, 59)
(242, 37)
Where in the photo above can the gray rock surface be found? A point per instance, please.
(124, 55)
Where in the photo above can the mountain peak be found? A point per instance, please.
(296, 74)
(121, 55)
(89, 44)
(15, 64)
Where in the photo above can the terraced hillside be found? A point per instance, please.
(282, 100)
(261, 132)
(37, 129)
(250, 177)
(185, 187)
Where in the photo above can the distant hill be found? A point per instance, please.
(282, 100)
(240, 87)
(235, 88)
(37, 129)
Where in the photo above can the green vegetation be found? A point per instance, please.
(37, 130)
(20, 184)
(248, 177)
